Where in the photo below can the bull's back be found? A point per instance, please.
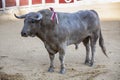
(80, 19)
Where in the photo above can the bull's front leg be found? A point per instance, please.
(61, 58)
(51, 68)
(51, 56)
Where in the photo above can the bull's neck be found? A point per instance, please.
(43, 34)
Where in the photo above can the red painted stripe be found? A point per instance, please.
(36, 1)
(63, 1)
(23, 2)
(10, 3)
(50, 1)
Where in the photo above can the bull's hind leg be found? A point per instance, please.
(86, 44)
(93, 40)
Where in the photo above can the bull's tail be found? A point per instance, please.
(101, 43)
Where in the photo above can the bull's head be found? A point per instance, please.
(31, 23)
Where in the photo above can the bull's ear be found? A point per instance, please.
(20, 17)
(39, 16)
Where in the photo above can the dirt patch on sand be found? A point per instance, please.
(4, 76)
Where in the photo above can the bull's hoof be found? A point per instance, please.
(62, 71)
(87, 62)
(51, 69)
(91, 64)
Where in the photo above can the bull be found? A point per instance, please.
(73, 28)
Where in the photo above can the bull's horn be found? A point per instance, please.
(39, 17)
(20, 17)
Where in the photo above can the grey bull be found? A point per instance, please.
(73, 28)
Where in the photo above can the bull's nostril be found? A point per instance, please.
(23, 34)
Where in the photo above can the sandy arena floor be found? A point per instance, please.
(27, 59)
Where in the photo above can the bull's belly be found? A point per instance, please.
(76, 39)
(77, 35)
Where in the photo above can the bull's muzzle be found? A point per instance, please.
(23, 34)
